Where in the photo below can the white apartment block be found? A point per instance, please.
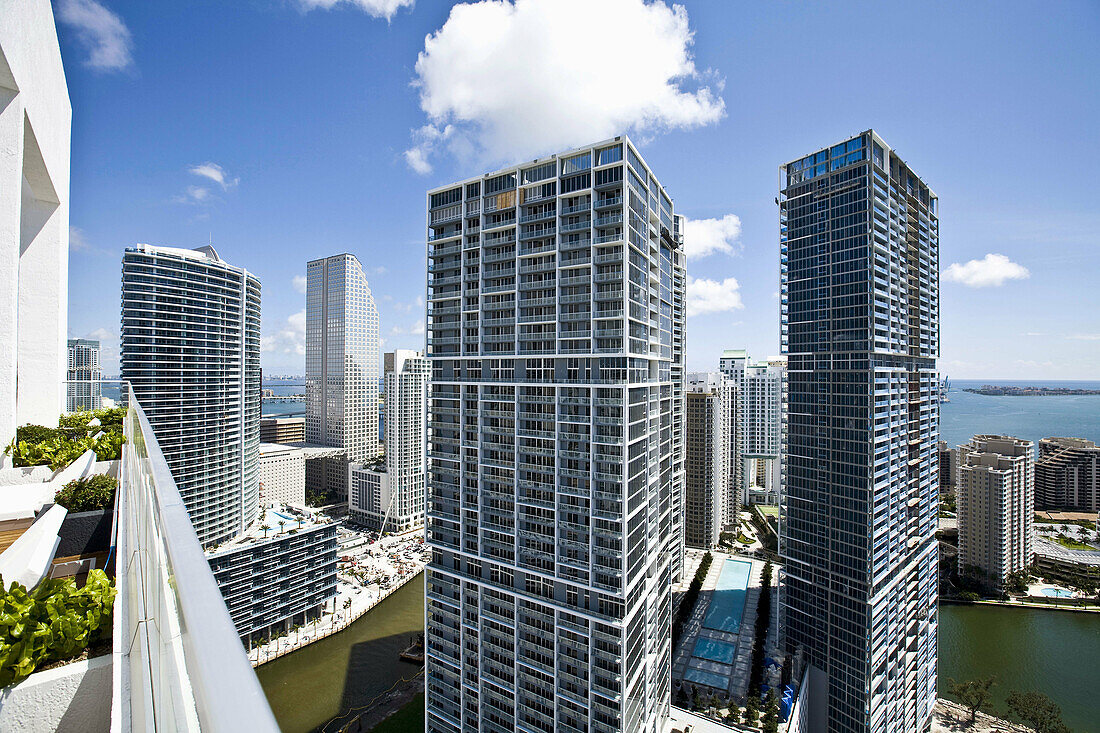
(995, 498)
(35, 118)
(282, 474)
(84, 390)
(759, 387)
(342, 350)
(389, 495)
(707, 476)
(190, 347)
(556, 297)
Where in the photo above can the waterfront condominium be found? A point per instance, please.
(995, 494)
(859, 241)
(707, 479)
(342, 353)
(389, 495)
(190, 345)
(1067, 475)
(555, 451)
(84, 389)
(759, 386)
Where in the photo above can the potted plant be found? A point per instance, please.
(86, 529)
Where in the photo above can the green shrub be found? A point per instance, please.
(35, 445)
(55, 621)
(87, 494)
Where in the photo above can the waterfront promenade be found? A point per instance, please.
(374, 571)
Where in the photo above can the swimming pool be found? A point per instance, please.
(714, 650)
(727, 603)
(280, 514)
(710, 679)
(1057, 593)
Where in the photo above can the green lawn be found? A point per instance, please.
(409, 719)
(768, 511)
(1072, 544)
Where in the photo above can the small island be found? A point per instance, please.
(996, 391)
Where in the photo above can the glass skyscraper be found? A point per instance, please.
(860, 278)
(190, 347)
(342, 353)
(555, 333)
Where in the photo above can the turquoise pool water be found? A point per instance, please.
(719, 681)
(1057, 593)
(727, 603)
(714, 650)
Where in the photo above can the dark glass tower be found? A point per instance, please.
(860, 278)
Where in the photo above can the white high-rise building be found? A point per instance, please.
(555, 335)
(708, 478)
(84, 390)
(191, 352)
(759, 388)
(282, 474)
(342, 344)
(995, 498)
(35, 117)
(389, 494)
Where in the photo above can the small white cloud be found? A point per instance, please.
(215, 173)
(300, 283)
(993, 270)
(416, 305)
(704, 237)
(375, 8)
(77, 241)
(713, 296)
(1084, 336)
(417, 329)
(507, 80)
(101, 32)
(193, 195)
(289, 339)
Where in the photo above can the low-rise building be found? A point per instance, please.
(283, 430)
(996, 504)
(282, 474)
(1076, 568)
(1067, 475)
(280, 572)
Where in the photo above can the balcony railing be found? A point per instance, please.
(178, 661)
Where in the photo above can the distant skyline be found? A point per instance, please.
(287, 130)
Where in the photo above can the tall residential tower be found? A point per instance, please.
(708, 478)
(389, 495)
(84, 390)
(342, 350)
(191, 352)
(859, 234)
(555, 337)
(759, 386)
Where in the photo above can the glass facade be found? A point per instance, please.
(555, 450)
(342, 355)
(190, 349)
(860, 279)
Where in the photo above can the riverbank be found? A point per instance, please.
(349, 670)
(1016, 603)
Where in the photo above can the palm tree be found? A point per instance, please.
(266, 529)
(282, 526)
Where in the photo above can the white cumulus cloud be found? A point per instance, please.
(993, 270)
(215, 173)
(101, 32)
(506, 80)
(713, 296)
(290, 338)
(300, 283)
(376, 8)
(704, 237)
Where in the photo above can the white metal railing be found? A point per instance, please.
(179, 664)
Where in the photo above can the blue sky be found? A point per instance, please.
(285, 130)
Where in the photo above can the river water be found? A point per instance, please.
(325, 679)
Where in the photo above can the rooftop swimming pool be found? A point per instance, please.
(714, 650)
(727, 602)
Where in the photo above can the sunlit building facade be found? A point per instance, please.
(555, 455)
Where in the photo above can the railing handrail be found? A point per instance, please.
(217, 678)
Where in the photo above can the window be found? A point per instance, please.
(504, 182)
(446, 197)
(539, 173)
(576, 183)
(577, 163)
(609, 155)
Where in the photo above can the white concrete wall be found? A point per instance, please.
(35, 121)
(75, 698)
(282, 474)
